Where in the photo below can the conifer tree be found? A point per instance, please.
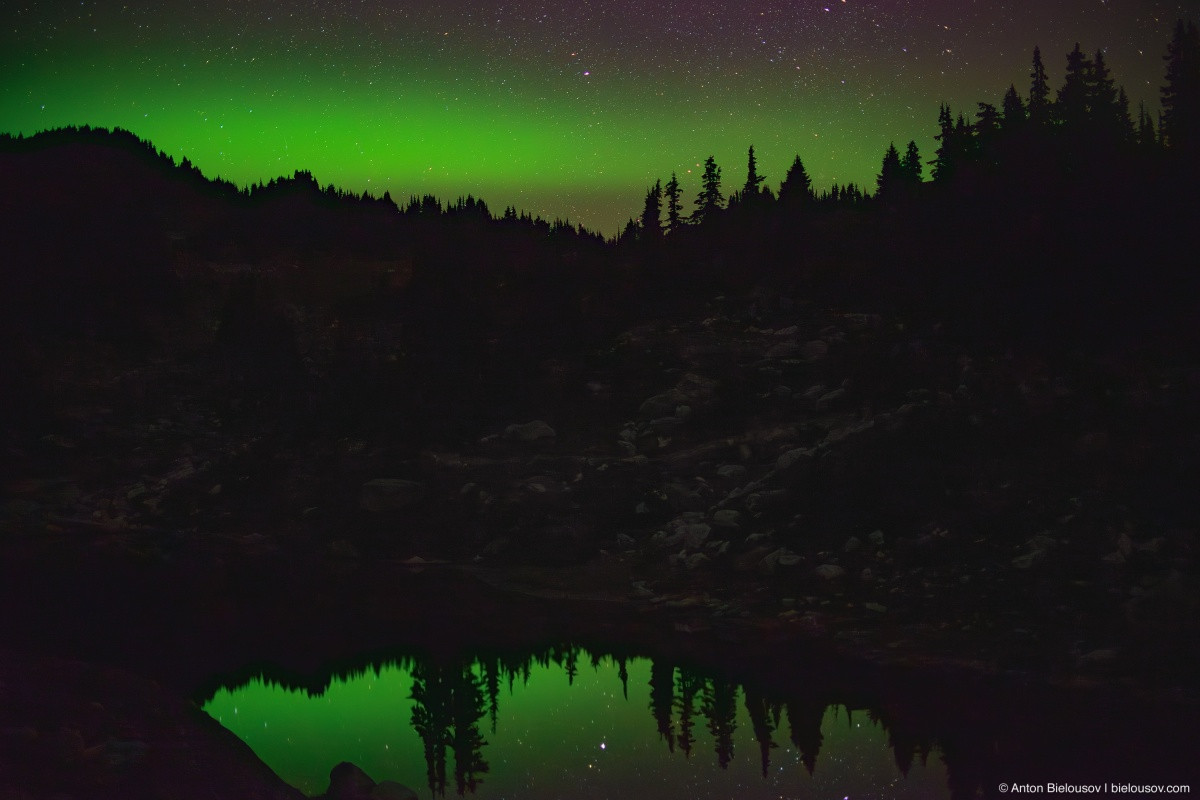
(1146, 137)
(888, 181)
(753, 179)
(910, 166)
(652, 213)
(1012, 110)
(1071, 109)
(943, 165)
(1039, 92)
(796, 189)
(672, 195)
(1179, 128)
(709, 201)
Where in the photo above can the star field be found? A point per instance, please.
(563, 108)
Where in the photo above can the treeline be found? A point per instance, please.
(1058, 214)
(1088, 120)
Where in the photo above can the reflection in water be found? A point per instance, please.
(543, 726)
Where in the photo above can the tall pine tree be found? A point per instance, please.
(1039, 92)
(709, 201)
(672, 194)
(1179, 129)
(652, 213)
(750, 191)
(796, 189)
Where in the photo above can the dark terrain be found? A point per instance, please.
(298, 427)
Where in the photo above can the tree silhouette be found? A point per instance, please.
(796, 189)
(709, 201)
(672, 194)
(1180, 125)
(662, 699)
(1039, 91)
(911, 168)
(652, 213)
(1071, 109)
(720, 707)
(750, 191)
(888, 181)
(1012, 111)
(690, 686)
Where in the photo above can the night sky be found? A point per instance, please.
(566, 109)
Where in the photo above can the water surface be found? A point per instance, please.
(566, 723)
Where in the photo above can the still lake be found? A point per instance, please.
(564, 722)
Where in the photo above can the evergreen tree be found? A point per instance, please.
(652, 213)
(1146, 137)
(943, 165)
(888, 181)
(753, 179)
(987, 126)
(911, 167)
(1039, 92)
(796, 189)
(1179, 128)
(672, 194)
(709, 201)
(1012, 110)
(1108, 115)
(1071, 106)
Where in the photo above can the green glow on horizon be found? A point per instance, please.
(554, 739)
(572, 115)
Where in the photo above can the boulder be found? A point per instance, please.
(815, 350)
(830, 572)
(785, 350)
(792, 457)
(726, 518)
(529, 432)
(389, 494)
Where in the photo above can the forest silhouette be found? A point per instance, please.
(1049, 215)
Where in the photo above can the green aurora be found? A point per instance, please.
(567, 112)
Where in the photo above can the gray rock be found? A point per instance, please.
(659, 405)
(829, 572)
(695, 560)
(787, 558)
(815, 350)
(852, 544)
(1030, 559)
(830, 398)
(390, 494)
(665, 424)
(876, 607)
(813, 393)
(792, 457)
(790, 330)
(683, 411)
(694, 534)
(763, 501)
(785, 350)
(875, 538)
(726, 518)
(731, 470)
(530, 431)
(625, 540)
